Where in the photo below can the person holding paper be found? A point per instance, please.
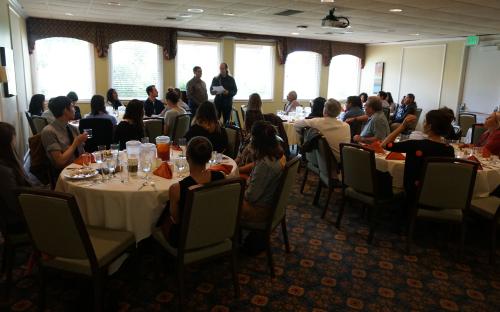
(224, 88)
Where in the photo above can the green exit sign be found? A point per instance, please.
(472, 40)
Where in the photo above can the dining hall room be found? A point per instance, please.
(226, 155)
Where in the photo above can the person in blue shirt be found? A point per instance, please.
(407, 107)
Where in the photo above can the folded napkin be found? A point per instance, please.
(474, 159)
(222, 167)
(176, 148)
(79, 160)
(376, 147)
(486, 153)
(163, 171)
(395, 156)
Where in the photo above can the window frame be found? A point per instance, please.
(320, 68)
(273, 65)
(160, 64)
(358, 84)
(34, 74)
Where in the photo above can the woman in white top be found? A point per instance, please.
(292, 103)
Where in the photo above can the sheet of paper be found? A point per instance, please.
(218, 89)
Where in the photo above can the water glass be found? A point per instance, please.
(115, 149)
(145, 140)
(182, 145)
(214, 158)
(146, 162)
(88, 132)
(111, 166)
(180, 164)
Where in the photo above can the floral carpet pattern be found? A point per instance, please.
(327, 270)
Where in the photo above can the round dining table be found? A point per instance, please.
(124, 205)
(487, 178)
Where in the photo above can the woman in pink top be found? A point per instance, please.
(491, 138)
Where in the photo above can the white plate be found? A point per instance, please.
(80, 174)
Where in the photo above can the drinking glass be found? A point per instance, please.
(180, 164)
(146, 160)
(98, 160)
(213, 159)
(88, 132)
(145, 140)
(87, 160)
(182, 145)
(111, 165)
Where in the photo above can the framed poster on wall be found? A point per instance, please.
(378, 78)
(7, 61)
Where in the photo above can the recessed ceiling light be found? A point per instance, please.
(415, 34)
(228, 14)
(68, 14)
(195, 10)
(114, 3)
(327, 1)
(185, 15)
(395, 10)
(295, 33)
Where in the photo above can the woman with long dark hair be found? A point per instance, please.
(13, 176)
(112, 98)
(36, 105)
(98, 109)
(132, 126)
(206, 124)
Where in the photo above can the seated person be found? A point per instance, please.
(47, 114)
(354, 108)
(334, 130)
(490, 139)
(98, 109)
(152, 106)
(407, 107)
(455, 131)
(317, 106)
(364, 97)
(74, 98)
(392, 105)
(13, 177)
(36, 105)
(132, 126)
(383, 97)
(112, 99)
(245, 159)
(61, 141)
(264, 178)
(206, 124)
(173, 110)
(377, 126)
(198, 153)
(436, 125)
(181, 103)
(291, 103)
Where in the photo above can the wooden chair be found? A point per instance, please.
(209, 227)
(39, 123)
(489, 208)
(181, 127)
(153, 127)
(438, 199)
(465, 121)
(278, 215)
(477, 132)
(56, 229)
(233, 141)
(360, 183)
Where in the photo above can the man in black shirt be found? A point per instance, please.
(407, 107)
(152, 106)
(224, 97)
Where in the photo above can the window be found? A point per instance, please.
(134, 66)
(302, 71)
(343, 76)
(254, 70)
(62, 65)
(205, 54)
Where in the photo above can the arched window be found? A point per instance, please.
(62, 65)
(191, 53)
(344, 76)
(302, 73)
(134, 66)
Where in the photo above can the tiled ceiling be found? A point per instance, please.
(371, 20)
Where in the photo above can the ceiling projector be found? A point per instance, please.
(334, 21)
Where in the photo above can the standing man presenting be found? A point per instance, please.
(224, 88)
(196, 90)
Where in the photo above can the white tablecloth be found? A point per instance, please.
(291, 133)
(486, 180)
(122, 206)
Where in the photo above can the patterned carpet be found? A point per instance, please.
(327, 270)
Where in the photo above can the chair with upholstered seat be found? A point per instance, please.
(209, 227)
(233, 141)
(360, 183)
(489, 208)
(278, 214)
(153, 127)
(39, 123)
(243, 111)
(102, 132)
(465, 121)
(477, 132)
(30, 123)
(235, 118)
(439, 200)
(181, 127)
(57, 232)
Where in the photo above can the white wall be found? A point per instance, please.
(399, 71)
(482, 80)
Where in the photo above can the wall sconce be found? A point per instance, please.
(3, 74)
